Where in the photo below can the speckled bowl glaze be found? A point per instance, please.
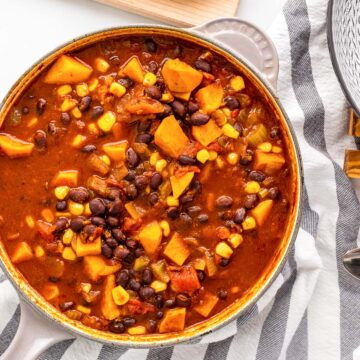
(243, 45)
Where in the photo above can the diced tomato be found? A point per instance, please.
(131, 224)
(137, 306)
(183, 279)
(45, 230)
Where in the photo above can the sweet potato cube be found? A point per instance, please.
(96, 266)
(133, 211)
(206, 134)
(116, 150)
(89, 248)
(210, 97)
(14, 147)
(269, 163)
(177, 250)
(66, 177)
(68, 70)
(180, 77)
(173, 320)
(134, 70)
(170, 138)
(179, 184)
(262, 211)
(150, 237)
(22, 252)
(108, 307)
(50, 291)
(207, 304)
(144, 105)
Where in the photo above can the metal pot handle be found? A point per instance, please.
(35, 334)
(248, 41)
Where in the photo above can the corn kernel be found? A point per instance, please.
(276, 149)
(230, 132)
(212, 155)
(78, 141)
(67, 236)
(75, 209)
(39, 251)
(93, 83)
(266, 147)
(85, 287)
(68, 104)
(154, 157)
(120, 295)
(87, 210)
(107, 121)
(223, 249)
(48, 215)
(30, 221)
(61, 192)
(105, 159)
(160, 165)
(92, 128)
(69, 254)
(220, 163)
(165, 227)
(219, 117)
(199, 264)
(32, 122)
(203, 156)
(84, 309)
(252, 187)
(263, 193)
(249, 223)
(101, 65)
(149, 79)
(237, 83)
(171, 201)
(82, 89)
(166, 97)
(64, 90)
(117, 89)
(226, 111)
(158, 286)
(137, 330)
(76, 113)
(235, 240)
(232, 158)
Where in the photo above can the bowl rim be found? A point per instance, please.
(46, 309)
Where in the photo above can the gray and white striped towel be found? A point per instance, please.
(312, 309)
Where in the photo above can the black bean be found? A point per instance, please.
(122, 277)
(128, 321)
(198, 118)
(151, 326)
(257, 176)
(131, 192)
(178, 108)
(146, 276)
(52, 128)
(239, 216)
(118, 234)
(156, 181)
(134, 285)
(40, 106)
(150, 45)
(153, 66)
(61, 205)
(196, 186)
(144, 138)
(116, 207)
(66, 305)
(96, 112)
(183, 300)
(113, 221)
(132, 157)
(222, 294)
(153, 198)
(201, 275)
(84, 104)
(111, 242)
(139, 252)
(159, 301)
(146, 292)
(250, 201)
(121, 252)
(98, 221)
(203, 65)
(274, 193)
(225, 215)
(79, 194)
(186, 198)
(89, 230)
(224, 262)
(246, 159)
(65, 118)
(130, 176)
(231, 102)
(203, 218)
(159, 314)
(131, 243)
(193, 210)
(186, 160)
(192, 107)
(25, 110)
(185, 220)
(166, 112)
(40, 139)
(61, 224)
(170, 303)
(275, 131)
(53, 279)
(154, 92)
(106, 251)
(97, 206)
(114, 60)
(173, 212)
(224, 202)
(126, 82)
(88, 149)
(77, 224)
(141, 181)
(116, 326)
(143, 125)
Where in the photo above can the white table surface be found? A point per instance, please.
(31, 28)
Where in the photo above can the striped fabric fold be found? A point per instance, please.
(312, 309)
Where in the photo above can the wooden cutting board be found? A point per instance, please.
(178, 12)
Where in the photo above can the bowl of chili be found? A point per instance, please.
(157, 182)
